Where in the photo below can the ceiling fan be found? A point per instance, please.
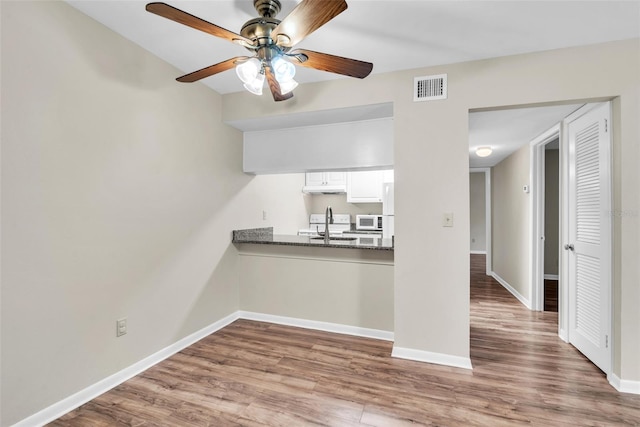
(271, 42)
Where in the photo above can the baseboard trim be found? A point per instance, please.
(429, 357)
(551, 277)
(564, 335)
(478, 252)
(317, 325)
(624, 386)
(511, 289)
(72, 402)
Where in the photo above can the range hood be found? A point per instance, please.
(324, 189)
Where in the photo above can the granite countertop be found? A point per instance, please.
(265, 236)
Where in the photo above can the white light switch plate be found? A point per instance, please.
(121, 327)
(447, 219)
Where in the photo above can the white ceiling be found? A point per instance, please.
(505, 131)
(393, 35)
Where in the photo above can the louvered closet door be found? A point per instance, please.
(590, 235)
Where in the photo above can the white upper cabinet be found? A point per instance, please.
(336, 178)
(325, 182)
(360, 186)
(314, 179)
(365, 186)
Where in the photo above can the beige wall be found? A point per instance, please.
(120, 188)
(280, 197)
(341, 286)
(477, 212)
(431, 276)
(551, 211)
(338, 202)
(510, 221)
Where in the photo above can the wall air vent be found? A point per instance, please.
(430, 88)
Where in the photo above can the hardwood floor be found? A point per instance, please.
(259, 374)
(550, 295)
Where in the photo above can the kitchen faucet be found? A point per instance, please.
(328, 219)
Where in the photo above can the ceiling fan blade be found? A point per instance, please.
(274, 86)
(331, 63)
(177, 15)
(211, 70)
(307, 17)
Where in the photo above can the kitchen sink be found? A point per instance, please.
(339, 239)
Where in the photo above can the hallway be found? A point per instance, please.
(519, 351)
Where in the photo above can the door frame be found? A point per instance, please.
(606, 230)
(537, 222)
(537, 179)
(487, 216)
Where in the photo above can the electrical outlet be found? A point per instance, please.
(447, 219)
(121, 327)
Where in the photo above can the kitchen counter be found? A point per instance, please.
(265, 236)
(340, 286)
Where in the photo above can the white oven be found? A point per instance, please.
(341, 223)
(369, 222)
(364, 238)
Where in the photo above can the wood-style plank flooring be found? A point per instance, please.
(259, 374)
(550, 295)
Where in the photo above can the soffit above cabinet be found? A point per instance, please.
(315, 118)
(332, 147)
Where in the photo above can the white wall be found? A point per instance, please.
(431, 276)
(352, 145)
(120, 188)
(478, 213)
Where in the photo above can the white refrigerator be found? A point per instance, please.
(387, 210)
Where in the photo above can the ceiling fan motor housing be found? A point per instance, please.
(267, 8)
(259, 29)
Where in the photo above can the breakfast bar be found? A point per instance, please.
(343, 283)
(265, 236)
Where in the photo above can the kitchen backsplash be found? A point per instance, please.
(338, 202)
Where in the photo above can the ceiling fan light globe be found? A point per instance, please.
(248, 70)
(288, 86)
(483, 151)
(283, 69)
(255, 86)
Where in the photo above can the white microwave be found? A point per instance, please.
(368, 222)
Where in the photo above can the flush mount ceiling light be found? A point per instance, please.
(271, 41)
(483, 151)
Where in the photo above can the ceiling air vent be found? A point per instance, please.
(429, 88)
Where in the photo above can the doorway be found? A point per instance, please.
(548, 185)
(480, 214)
(545, 205)
(584, 247)
(551, 261)
(517, 199)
